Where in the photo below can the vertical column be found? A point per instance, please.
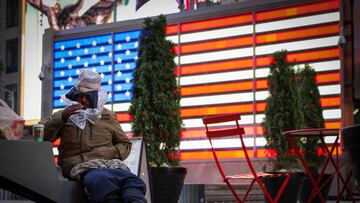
(47, 70)
(346, 58)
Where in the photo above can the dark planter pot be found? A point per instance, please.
(307, 188)
(351, 144)
(291, 191)
(167, 183)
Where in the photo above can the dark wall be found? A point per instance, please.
(356, 33)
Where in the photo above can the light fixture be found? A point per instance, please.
(342, 39)
(42, 73)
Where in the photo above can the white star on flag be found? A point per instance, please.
(109, 68)
(93, 56)
(78, 45)
(128, 52)
(94, 43)
(70, 53)
(136, 44)
(102, 49)
(62, 101)
(102, 62)
(127, 66)
(86, 51)
(127, 80)
(136, 58)
(69, 79)
(110, 41)
(77, 71)
(70, 66)
(78, 58)
(110, 82)
(127, 38)
(118, 60)
(94, 69)
(119, 46)
(62, 60)
(102, 75)
(62, 47)
(119, 73)
(118, 87)
(62, 86)
(110, 54)
(109, 95)
(127, 93)
(62, 73)
(86, 64)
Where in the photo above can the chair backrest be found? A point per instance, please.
(229, 131)
(233, 130)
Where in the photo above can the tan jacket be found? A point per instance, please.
(104, 140)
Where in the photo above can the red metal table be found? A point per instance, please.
(321, 133)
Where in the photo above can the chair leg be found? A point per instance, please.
(262, 187)
(281, 190)
(283, 186)
(248, 190)
(233, 191)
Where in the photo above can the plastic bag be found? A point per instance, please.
(11, 125)
(92, 115)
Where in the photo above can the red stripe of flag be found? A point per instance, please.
(293, 11)
(298, 34)
(237, 64)
(216, 23)
(233, 154)
(239, 86)
(274, 37)
(200, 133)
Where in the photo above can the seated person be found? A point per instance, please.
(92, 155)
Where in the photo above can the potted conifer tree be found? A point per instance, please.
(312, 111)
(309, 98)
(282, 114)
(155, 107)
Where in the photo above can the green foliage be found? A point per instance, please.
(312, 112)
(155, 105)
(282, 112)
(293, 103)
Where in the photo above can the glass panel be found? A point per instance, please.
(12, 56)
(12, 13)
(11, 98)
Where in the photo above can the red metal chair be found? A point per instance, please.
(236, 130)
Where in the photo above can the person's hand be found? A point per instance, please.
(68, 111)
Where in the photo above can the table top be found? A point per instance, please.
(312, 132)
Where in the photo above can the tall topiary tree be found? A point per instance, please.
(282, 111)
(155, 105)
(313, 118)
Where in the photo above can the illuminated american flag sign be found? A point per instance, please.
(113, 56)
(223, 66)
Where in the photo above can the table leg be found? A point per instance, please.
(307, 170)
(323, 168)
(336, 167)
